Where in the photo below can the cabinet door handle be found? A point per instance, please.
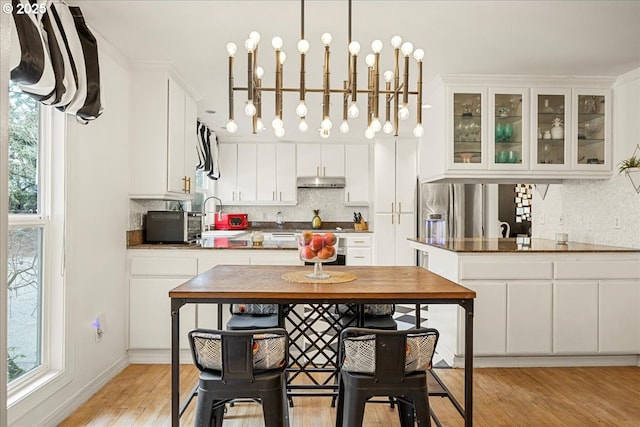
(358, 241)
(392, 218)
(233, 195)
(391, 207)
(348, 196)
(239, 195)
(184, 184)
(189, 182)
(359, 256)
(324, 171)
(317, 170)
(398, 217)
(281, 196)
(273, 195)
(399, 207)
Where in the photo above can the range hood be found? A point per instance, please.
(321, 182)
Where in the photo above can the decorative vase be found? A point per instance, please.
(316, 222)
(557, 131)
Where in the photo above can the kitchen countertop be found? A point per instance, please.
(510, 245)
(220, 243)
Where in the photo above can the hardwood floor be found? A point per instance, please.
(563, 397)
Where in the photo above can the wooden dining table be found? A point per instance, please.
(373, 284)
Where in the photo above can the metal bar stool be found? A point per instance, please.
(372, 365)
(240, 364)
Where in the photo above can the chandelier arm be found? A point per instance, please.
(345, 100)
(278, 89)
(396, 87)
(419, 94)
(388, 101)
(231, 88)
(376, 86)
(354, 77)
(257, 100)
(326, 86)
(302, 76)
(370, 95)
(405, 99)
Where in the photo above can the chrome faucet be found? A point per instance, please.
(279, 220)
(219, 212)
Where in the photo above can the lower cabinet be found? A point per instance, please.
(529, 317)
(150, 280)
(358, 249)
(154, 272)
(575, 316)
(490, 317)
(619, 316)
(149, 318)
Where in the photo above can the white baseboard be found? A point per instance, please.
(84, 394)
(157, 356)
(549, 361)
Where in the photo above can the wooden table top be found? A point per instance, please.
(228, 283)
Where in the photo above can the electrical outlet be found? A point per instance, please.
(616, 222)
(99, 325)
(561, 220)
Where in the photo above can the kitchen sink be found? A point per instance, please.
(224, 233)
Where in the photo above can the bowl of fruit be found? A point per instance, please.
(317, 248)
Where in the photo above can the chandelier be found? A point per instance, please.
(395, 92)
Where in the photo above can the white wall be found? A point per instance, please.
(589, 208)
(96, 279)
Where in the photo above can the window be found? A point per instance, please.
(28, 226)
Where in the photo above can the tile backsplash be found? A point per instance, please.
(589, 210)
(330, 201)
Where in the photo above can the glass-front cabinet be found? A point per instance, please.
(468, 132)
(592, 135)
(551, 128)
(508, 125)
(514, 127)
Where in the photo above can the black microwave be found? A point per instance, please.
(173, 226)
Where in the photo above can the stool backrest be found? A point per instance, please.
(237, 355)
(387, 355)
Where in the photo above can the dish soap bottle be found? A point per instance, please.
(316, 222)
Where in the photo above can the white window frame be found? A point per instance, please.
(53, 370)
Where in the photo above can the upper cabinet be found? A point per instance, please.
(326, 159)
(163, 135)
(508, 129)
(257, 173)
(356, 174)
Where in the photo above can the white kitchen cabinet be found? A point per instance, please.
(394, 199)
(357, 177)
(529, 314)
(276, 173)
(163, 135)
(490, 317)
(575, 316)
(326, 159)
(247, 161)
(151, 277)
(237, 182)
(359, 248)
(619, 316)
(498, 128)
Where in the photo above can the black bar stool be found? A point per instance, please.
(373, 363)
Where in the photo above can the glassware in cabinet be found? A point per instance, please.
(591, 128)
(467, 128)
(551, 132)
(509, 132)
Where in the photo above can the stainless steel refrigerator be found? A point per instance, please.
(461, 205)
